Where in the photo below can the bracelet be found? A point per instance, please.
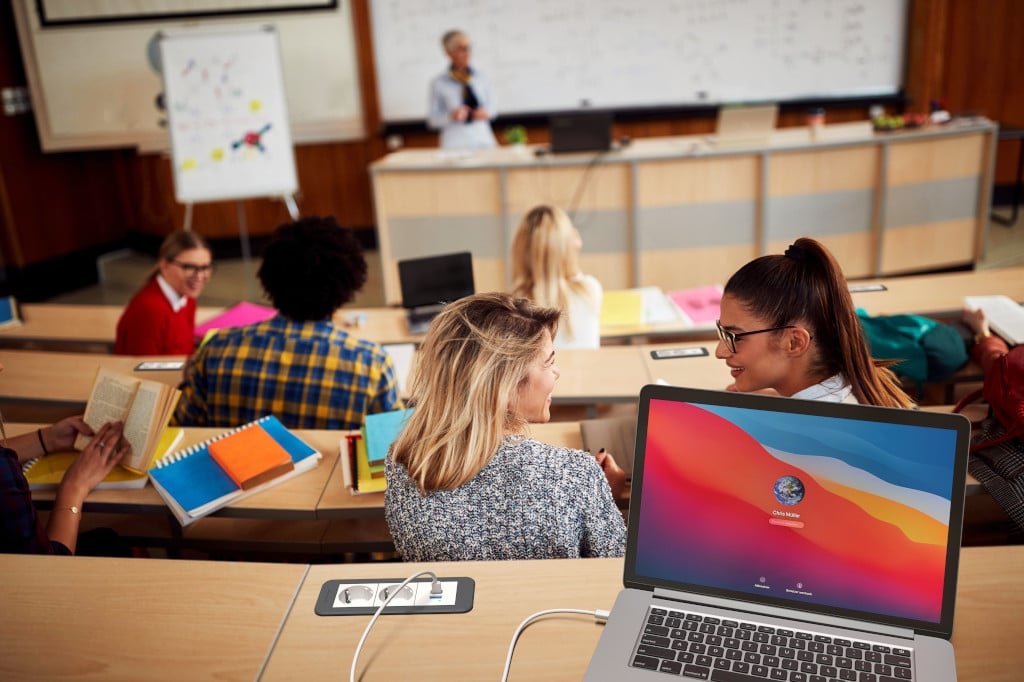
(39, 432)
(73, 510)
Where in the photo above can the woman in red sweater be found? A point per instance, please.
(160, 319)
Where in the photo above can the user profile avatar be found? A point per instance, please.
(789, 490)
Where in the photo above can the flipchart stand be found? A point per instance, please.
(227, 118)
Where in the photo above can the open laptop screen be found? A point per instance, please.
(840, 509)
(435, 279)
(582, 131)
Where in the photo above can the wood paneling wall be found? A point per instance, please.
(965, 53)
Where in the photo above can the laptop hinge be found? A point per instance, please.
(788, 614)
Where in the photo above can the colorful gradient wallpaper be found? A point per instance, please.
(835, 512)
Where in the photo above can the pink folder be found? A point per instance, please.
(236, 316)
(701, 304)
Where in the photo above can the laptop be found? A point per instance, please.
(770, 536)
(583, 131)
(744, 126)
(429, 283)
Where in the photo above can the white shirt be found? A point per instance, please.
(176, 300)
(446, 97)
(584, 310)
(831, 390)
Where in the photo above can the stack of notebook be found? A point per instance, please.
(203, 478)
(363, 453)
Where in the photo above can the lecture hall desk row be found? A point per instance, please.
(47, 385)
(315, 495)
(127, 619)
(325, 517)
(91, 328)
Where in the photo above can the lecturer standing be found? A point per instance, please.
(461, 106)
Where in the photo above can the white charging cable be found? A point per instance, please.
(435, 588)
(598, 615)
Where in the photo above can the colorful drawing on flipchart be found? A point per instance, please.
(252, 139)
(217, 108)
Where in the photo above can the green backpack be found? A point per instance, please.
(927, 349)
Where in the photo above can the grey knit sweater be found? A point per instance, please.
(531, 501)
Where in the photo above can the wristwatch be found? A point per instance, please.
(981, 335)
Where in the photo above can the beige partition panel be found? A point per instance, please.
(697, 219)
(425, 213)
(934, 189)
(675, 213)
(829, 194)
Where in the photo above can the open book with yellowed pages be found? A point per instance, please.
(145, 407)
(46, 472)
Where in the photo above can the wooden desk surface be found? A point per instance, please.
(218, 620)
(67, 377)
(940, 295)
(294, 499)
(62, 326)
(88, 619)
(602, 375)
(474, 645)
(338, 503)
(86, 327)
(705, 371)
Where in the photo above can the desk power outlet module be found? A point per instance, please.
(364, 597)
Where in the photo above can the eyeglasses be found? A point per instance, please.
(729, 337)
(193, 270)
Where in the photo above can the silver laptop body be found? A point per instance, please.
(799, 521)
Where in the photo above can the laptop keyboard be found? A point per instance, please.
(703, 647)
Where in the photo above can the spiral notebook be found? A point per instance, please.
(193, 485)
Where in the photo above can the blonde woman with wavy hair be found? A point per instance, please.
(464, 479)
(545, 269)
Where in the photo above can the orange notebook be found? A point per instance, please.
(251, 457)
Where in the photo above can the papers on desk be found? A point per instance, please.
(1005, 316)
(700, 305)
(236, 316)
(697, 307)
(636, 307)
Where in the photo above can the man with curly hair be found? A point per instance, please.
(298, 365)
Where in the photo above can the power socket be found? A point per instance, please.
(364, 597)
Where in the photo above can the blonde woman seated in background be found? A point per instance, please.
(788, 325)
(464, 479)
(545, 269)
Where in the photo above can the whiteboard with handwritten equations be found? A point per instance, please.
(543, 56)
(226, 113)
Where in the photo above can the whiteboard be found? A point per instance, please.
(543, 56)
(226, 113)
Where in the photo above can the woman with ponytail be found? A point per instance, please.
(788, 325)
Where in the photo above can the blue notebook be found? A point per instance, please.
(193, 485)
(382, 428)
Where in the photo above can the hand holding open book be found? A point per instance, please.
(144, 406)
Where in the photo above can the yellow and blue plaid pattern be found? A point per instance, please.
(310, 375)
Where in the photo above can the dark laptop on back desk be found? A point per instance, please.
(429, 283)
(783, 539)
(584, 131)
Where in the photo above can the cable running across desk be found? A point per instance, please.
(598, 615)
